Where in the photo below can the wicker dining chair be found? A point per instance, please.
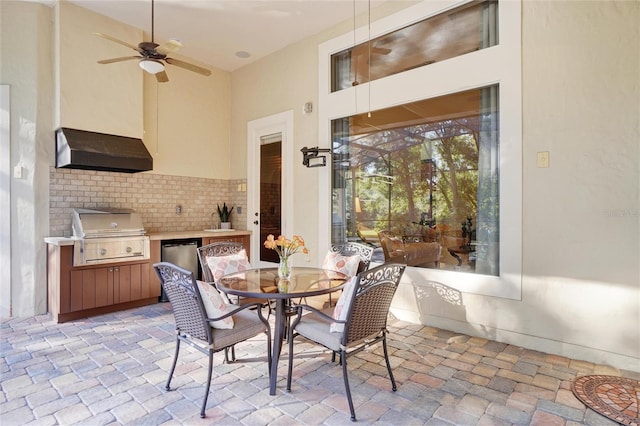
(194, 327)
(217, 249)
(351, 248)
(367, 304)
(220, 249)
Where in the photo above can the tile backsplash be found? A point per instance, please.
(155, 197)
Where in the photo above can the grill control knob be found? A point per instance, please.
(103, 252)
(128, 249)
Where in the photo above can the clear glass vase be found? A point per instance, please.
(284, 269)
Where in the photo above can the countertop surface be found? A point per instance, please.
(174, 235)
(178, 235)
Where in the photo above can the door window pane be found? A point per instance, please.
(270, 193)
(425, 175)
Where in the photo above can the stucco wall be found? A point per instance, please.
(580, 279)
(29, 72)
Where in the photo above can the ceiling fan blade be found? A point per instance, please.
(169, 47)
(162, 77)
(188, 66)
(115, 40)
(124, 58)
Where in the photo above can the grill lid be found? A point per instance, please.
(89, 223)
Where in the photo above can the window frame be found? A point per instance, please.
(500, 64)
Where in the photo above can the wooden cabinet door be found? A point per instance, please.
(131, 282)
(121, 284)
(91, 288)
(104, 288)
(147, 287)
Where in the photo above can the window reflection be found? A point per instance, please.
(462, 30)
(420, 181)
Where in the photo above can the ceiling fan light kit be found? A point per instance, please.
(151, 66)
(152, 57)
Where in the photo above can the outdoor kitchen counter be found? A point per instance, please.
(61, 241)
(179, 235)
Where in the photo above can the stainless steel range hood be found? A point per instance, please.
(80, 149)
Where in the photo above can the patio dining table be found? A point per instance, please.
(263, 283)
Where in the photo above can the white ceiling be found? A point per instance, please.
(212, 31)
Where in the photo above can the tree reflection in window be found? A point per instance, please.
(426, 171)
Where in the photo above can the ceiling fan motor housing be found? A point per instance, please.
(148, 50)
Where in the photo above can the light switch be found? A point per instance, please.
(17, 172)
(543, 159)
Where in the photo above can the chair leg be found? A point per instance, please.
(269, 353)
(175, 360)
(386, 358)
(206, 392)
(290, 371)
(343, 358)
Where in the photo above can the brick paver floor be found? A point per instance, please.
(112, 369)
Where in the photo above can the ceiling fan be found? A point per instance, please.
(152, 56)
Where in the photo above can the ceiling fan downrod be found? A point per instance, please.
(152, 19)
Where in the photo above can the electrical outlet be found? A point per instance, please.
(178, 209)
(239, 209)
(543, 159)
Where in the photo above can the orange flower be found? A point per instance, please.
(284, 246)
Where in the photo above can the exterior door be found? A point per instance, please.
(269, 183)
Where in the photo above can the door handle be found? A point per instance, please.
(255, 222)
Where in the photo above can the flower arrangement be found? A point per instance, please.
(285, 248)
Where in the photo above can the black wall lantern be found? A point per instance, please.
(311, 156)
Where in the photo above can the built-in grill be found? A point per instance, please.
(108, 236)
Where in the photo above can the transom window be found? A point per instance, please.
(464, 29)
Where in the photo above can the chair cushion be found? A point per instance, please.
(214, 305)
(342, 306)
(317, 328)
(223, 265)
(347, 265)
(247, 325)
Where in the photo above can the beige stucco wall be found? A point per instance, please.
(95, 97)
(29, 73)
(581, 102)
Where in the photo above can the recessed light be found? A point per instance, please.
(242, 54)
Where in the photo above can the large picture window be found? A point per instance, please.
(437, 166)
(420, 181)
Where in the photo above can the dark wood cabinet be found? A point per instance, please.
(244, 239)
(83, 291)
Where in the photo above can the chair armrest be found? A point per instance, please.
(300, 308)
(239, 308)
